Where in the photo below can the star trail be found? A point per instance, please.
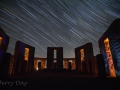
(57, 23)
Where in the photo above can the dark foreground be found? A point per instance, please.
(58, 81)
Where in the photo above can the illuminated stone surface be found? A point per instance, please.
(26, 54)
(109, 58)
(1, 40)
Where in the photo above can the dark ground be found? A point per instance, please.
(59, 81)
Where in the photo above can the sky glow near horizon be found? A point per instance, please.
(57, 23)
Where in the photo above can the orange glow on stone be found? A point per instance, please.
(26, 53)
(82, 54)
(1, 40)
(109, 58)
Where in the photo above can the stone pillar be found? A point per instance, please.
(90, 66)
(39, 65)
(4, 68)
(82, 55)
(101, 66)
(70, 66)
(77, 57)
(87, 66)
(84, 67)
(31, 58)
(55, 65)
(94, 66)
(60, 58)
(24, 66)
(10, 72)
(50, 58)
(4, 41)
(18, 56)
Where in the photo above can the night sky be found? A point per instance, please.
(57, 23)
